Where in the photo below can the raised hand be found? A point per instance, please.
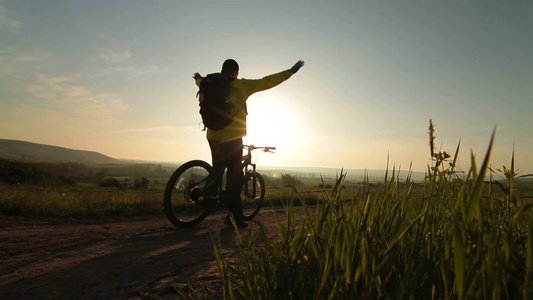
(297, 66)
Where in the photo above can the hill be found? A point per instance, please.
(32, 152)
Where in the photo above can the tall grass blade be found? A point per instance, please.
(400, 235)
(386, 169)
(459, 260)
(475, 196)
(456, 155)
(528, 284)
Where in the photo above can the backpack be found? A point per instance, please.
(215, 107)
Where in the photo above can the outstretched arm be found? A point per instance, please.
(265, 83)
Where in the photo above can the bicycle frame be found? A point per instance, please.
(246, 164)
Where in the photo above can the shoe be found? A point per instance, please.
(227, 220)
(240, 224)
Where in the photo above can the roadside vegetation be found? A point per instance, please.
(460, 237)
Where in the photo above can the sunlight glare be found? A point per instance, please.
(275, 123)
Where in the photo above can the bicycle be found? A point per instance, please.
(185, 200)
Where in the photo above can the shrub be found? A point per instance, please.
(110, 182)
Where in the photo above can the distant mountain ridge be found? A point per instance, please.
(33, 152)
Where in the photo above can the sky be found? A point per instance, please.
(116, 77)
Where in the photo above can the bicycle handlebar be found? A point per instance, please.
(265, 149)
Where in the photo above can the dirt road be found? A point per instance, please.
(138, 259)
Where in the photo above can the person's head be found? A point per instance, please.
(230, 67)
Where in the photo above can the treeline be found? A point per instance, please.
(18, 172)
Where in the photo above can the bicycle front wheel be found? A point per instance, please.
(252, 195)
(184, 194)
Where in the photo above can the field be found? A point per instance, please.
(379, 226)
(460, 234)
(83, 203)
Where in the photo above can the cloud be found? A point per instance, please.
(31, 57)
(150, 129)
(120, 62)
(113, 56)
(67, 96)
(17, 61)
(133, 70)
(6, 21)
(48, 87)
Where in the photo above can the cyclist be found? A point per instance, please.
(226, 144)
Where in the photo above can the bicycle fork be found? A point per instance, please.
(254, 182)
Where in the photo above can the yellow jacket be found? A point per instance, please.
(240, 90)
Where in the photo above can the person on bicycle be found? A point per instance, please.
(226, 144)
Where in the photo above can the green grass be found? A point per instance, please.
(36, 202)
(88, 202)
(459, 238)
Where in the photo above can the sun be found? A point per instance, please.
(274, 123)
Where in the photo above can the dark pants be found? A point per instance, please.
(229, 155)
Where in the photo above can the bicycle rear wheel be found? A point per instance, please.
(252, 195)
(184, 194)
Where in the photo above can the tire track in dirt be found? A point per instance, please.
(121, 260)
